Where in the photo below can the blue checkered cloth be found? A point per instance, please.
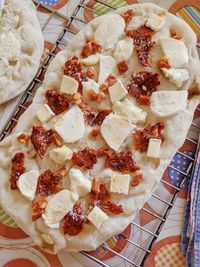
(190, 239)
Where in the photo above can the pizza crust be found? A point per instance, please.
(19, 19)
(176, 129)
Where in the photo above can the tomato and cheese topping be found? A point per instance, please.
(57, 102)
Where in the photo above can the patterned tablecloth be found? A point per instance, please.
(18, 250)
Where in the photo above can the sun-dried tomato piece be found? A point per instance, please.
(94, 133)
(101, 116)
(50, 182)
(72, 223)
(17, 168)
(99, 191)
(175, 35)
(23, 138)
(38, 207)
(163, 62)
(57, 102)
(151, 131)
(41, 139)
(108, 206)
(122, 66)
(142, 42)
(74, 69)
(142, 85)
(127, 16)
(91, 72)
(137, 179)
(111, 80)
(85, 158)
(90, 47)
(123, 161)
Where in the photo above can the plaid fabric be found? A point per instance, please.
(190, 240)
(169, 256)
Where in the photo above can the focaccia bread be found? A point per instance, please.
(21, 47)
(114, 108)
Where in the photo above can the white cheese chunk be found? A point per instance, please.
(9, 46)
(69, 85)
(90, 61)
(124, 49)
(120, 183)
(60, 154)
(115, 129)
(27, 184)
(80, 185)
(168, 103)
(153, 150)
(155, 22)
(175, 51)
(97, 217)
(58, 206)
(108, 66)
(136, 22)
(176, 76)
(44, 113)
(117, 91)
(109, 30)
(90, 87)
(71, 126)
(47, 239)
(129, 111)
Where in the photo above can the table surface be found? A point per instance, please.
(165, 253)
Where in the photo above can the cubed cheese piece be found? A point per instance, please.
(109, 30)
(120, 183)
(47, 239)
(58, 206)
(90, 61)
(90, 87)
(176, 76)
(115, 130)
(108, 66)
(117, 91)
(71, 126)
(44, 113)
(80, 185)
(168, 103)
(9, 46)
(129, 111)
(124, 49)
(69, 85)
(155, 22)
(97, 217)
(27, 184)
(60, 154)
(175, 51)
(136, 22)
(153, 150)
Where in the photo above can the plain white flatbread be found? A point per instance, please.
(21, 47)
(176, 128)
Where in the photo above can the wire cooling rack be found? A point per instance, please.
(139, 251)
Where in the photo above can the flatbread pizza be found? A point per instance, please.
(114, 107)
(21, 47)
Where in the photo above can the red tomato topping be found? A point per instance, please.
(151, 131)
(72, 223)
(91, 72)
(122, 66)
(73, 69)
(57, 102)
(90, 47)
(50, 182)
(128, 16)
(101, 114)
(94, 133)
(175, 35)
(23, 138)
(111, 80)
(163, 62)
(137, 179)
(120, 161)
(101, 198)
(17, 168)
(142, 42)
(85, 158)
(38, 207)
(142, 85)
(41, 139)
